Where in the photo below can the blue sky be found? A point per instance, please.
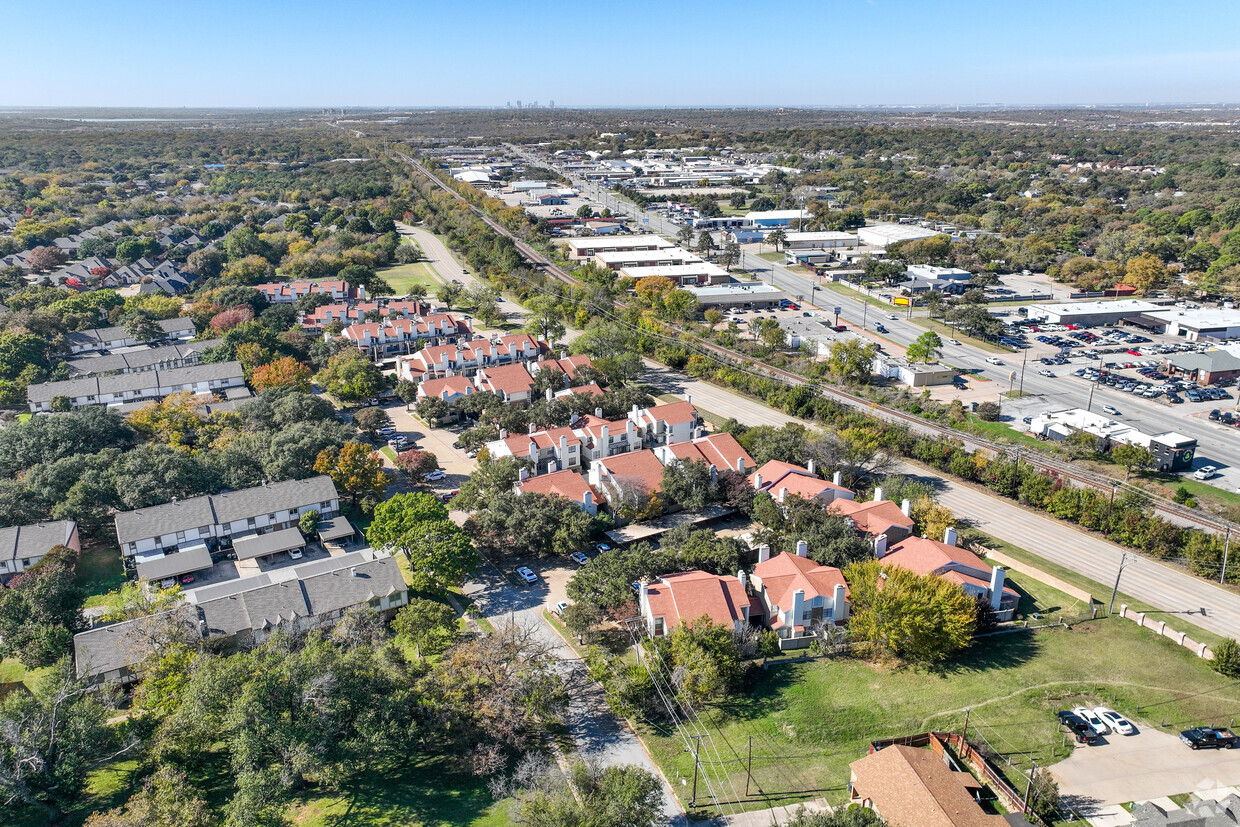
(635, 53)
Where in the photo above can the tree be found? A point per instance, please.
(43, 259)
(396, 516)
(989, 411)
(545, 319)
(685, 236)
(591, 794)
(40, 610)
(282, 372)
(850, 360)
(351, 377)
(415, 465)
(925, 348)
(431, 627)
(354, 468)
(585, 211)
(778, 238)
(141, 326)
(583, 618)
(898, 613)
(308, 523)
(1131, 458)
(1146, 272)
(688, 483)
(133, 248)
(852, 816)
(705, 242)
(730, 256)
(529, 524)
(167, 799)
(440, 555)
(370, 420)
(704, 660)
(1081, 445)
(448, 294)
(831, 539)
(133, 600)
(1227, 658)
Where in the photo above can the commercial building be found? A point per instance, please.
(150, 532)
(1204, 368)
(24, 545)
(911, 374)
(748, 294)
(774, 219)
(695, 273)
(668, 257)
(882, 235)
(1171, 451)
(1200, 323)
(820, 241)
(1091, 313)
(580, 249)
(115, 390)
(928, 272)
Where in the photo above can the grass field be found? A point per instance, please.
(99, 571)
(1201, 491)
(403, 276)
(949, 332)
(1001, 430)
(810, 720)
(772, 256)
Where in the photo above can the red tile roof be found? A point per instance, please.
(784, 573)
(520, 445)
(688, 596)
(510, 379)
(926, 556)
(720, 450)
(872, 517)
(568, 367)
(673, 413)
(567, 484)
(446, 387)
(591, 389)
(641, 466)
(776, 474)
(911, 787)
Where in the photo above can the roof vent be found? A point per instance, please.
(353, 572)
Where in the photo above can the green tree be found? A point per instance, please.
(440, 555)
(351, 377)
(688, 483)
(448, 294)
(706, 660)
(850, 360)
(989, 411)
(429, 626)
(925, 348)
(545, 319)
(355, 469)
(898, 613)
(167, 799)
(534, 525)
(40, 610)
(397, 516)
(308, 523)
(591, 794)
(1131, 457)
(370, 420)
(852, 816)
(778, 238)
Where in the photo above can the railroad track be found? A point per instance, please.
(734, 358)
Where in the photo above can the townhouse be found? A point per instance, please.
(782, 480)
(798, 595)
(394, 336)
(720, 451)
(449, 389)
(110, 338)
(666, 424)
(566, 365)
(24, 545)
(622, 477)
(695, 596)
(603, 438)
(141, 359)
(127, 389)
(348, 313)
(548, 451)
(149, 532)
(466, 358)
(567, 484)
(511, 383)
(876, 517)
(961, 566)
(287, 292)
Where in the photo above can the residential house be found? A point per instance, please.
(783, 479)
(566, 365)
(636, 473)
(450, 389)
(720, 451)
(214, 517)
(797, 594)
(511, 383)
(692, 596)
(876, 516)
(548, 451)
(354, 312)
(606, 438)
(914, 787)
(394, 336)
(567, 484)
(133, 360)
(961, 566)
(120, 389)
(1223, 812)
(592, 390)
(110, 338)
(115, 654)
(287, 292)
(24, 545)
(666, 424)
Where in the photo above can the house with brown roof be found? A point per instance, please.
(876, 516)
(783, 479)
(549, 451)
(511, 383)
(913, 787)
(567, 365)
(567, 484)
(640, 471)
(798, 594)
(393, 336)
(691, 596)
(450, 389)
(719, 451)
(961, 566)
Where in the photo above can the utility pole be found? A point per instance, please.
(1124, 560)
(749, 766)
(1226, 548)
(697, 748)
(964, 732)
(1110, 507)
(1029, 788)
(1023, 360)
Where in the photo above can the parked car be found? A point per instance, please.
(296, 553)
(387, 430)
(602, 548)
(1087, 715)
(1200, 737)
(437, 474)
(1205, 472)
(187, 579)
(527, 574)
(167, 582)
(1114, 720)
(579, 557)
(1080, 730)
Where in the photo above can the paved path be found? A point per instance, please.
(591, 723)
(1174, 593)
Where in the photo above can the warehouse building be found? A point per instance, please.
(772, 219)
(580, 249)
(820, 241)
(1172, 451)
(1090, 313)
(619, 260)
(1209, 322)
(881, 235)
(756, 294)
(701, 272)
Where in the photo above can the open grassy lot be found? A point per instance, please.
(99, 571)
(810, 720)
(949, 332)
(403, 276)
(1203, 492)
(1001, 430)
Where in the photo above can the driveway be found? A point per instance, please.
(436, 440)
(1150, 764)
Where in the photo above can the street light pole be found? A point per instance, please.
(1124, 560)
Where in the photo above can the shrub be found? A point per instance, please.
(1227, 658)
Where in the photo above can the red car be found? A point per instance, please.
(187, 579)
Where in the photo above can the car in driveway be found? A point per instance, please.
(436, 475)
(558, 608)
(387, 430)
(1114, 721)
(579, 557)
(527, 574)
(1205, 472)
(1080, 730)
(1110, 409)
(1090, 717)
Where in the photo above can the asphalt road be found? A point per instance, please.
(1171, 591)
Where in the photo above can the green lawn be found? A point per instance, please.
(1001, 430)
(388, 452)
(99, 571)
(403, 276)
(809, 720)
(772, 256)
(1203, 492)
(948, 332)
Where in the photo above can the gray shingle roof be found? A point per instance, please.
(342, 587)
(1212, 361)
(195, 558)
(260, 545)
(144, 380)
(27, 541)
(217, 509)
(179, 327)
(127, 644)
(137, 359)
(335, 529)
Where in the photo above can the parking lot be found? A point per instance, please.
(1150, 764)
(436, 440)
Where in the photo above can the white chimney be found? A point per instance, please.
(757, 480)
(880, 545)
(997, 576)
(802, 548)
(837, 478)
(809, 466)
(878, 493)
(740, 464)
(783, 494)
(533, 428)
(741, 576)
(907, 508)
(552, 467)
(503, 434)
(598, 412)
(840, 603)
(564, 447)
(550, 395)
(764, 553)
(949, 536)
(353, 572)
(587, 499)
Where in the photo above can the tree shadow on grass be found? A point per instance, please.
(1002, 651)
(765, 692)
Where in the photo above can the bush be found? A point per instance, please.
(988, 411)
(1227, 658)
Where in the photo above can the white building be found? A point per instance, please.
(820, 241)
(1193, 324)
(1091, 313)
(881, 235)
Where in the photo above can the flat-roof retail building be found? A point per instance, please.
(701, 272)
(757, 294)
(1090, 313)
(880, 235)
(1209, 322)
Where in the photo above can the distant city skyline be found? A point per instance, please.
(848, 53)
